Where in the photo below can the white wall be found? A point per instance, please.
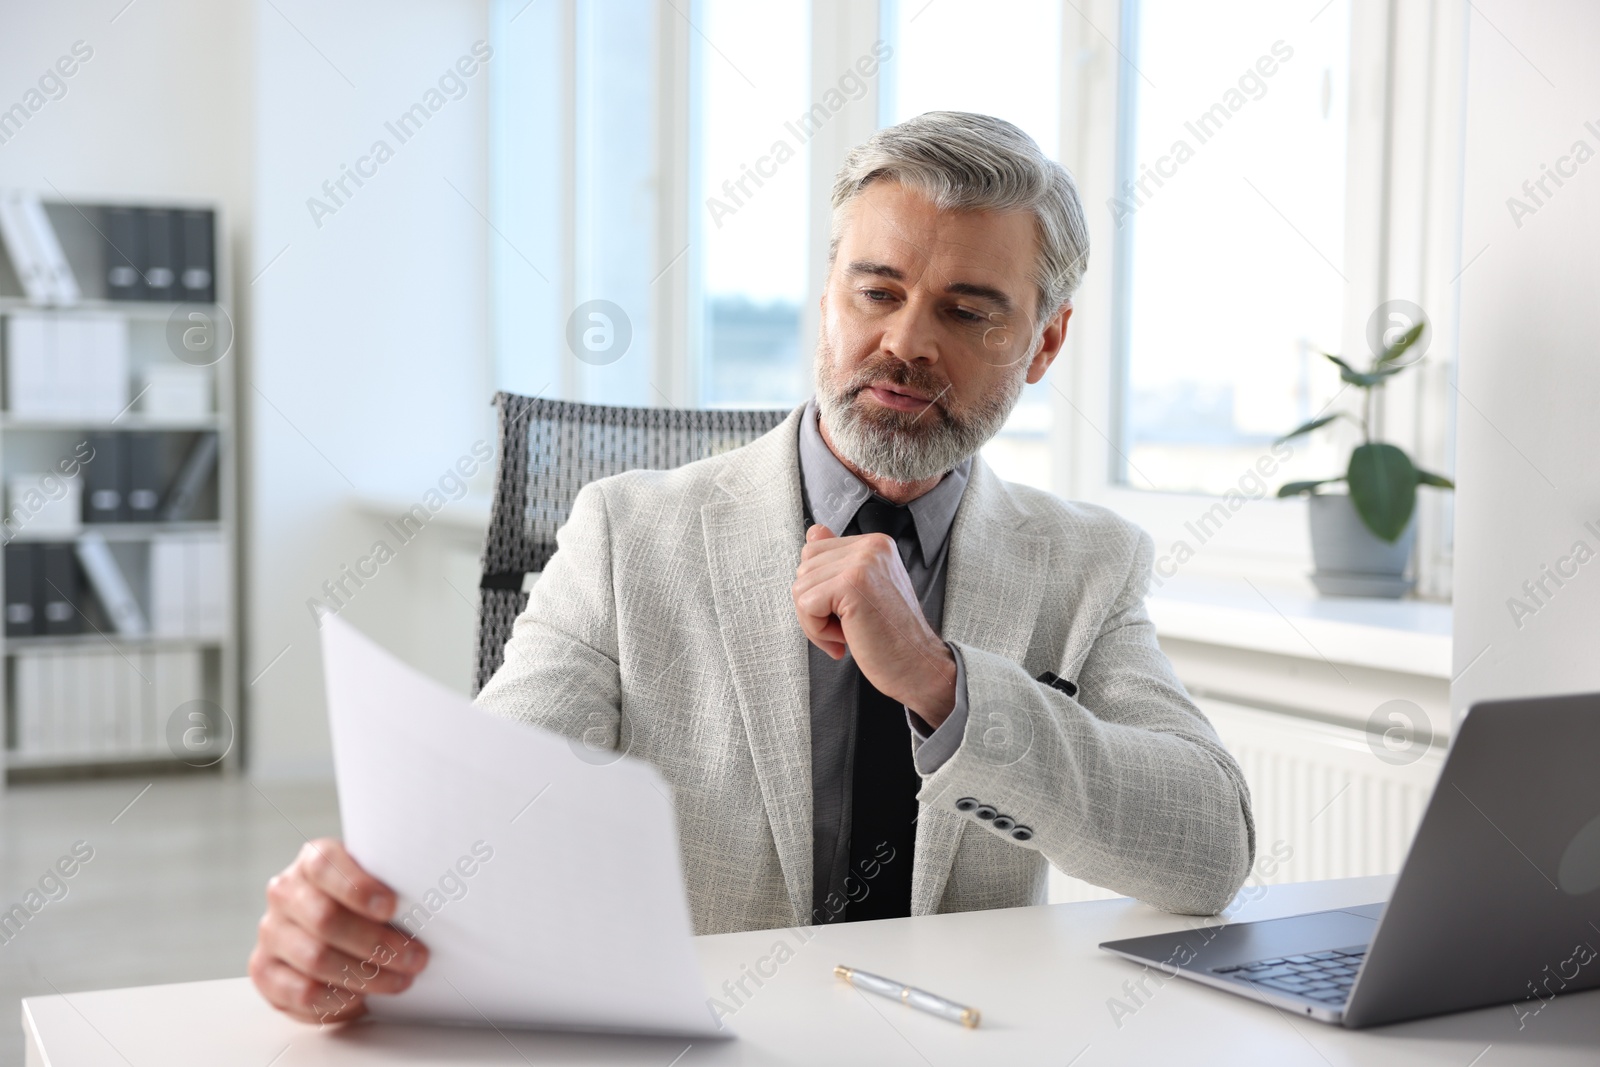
(1529, 436)
(154, 112)
(363, 349)
(370, 375)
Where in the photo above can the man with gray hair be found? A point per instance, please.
(881, 681)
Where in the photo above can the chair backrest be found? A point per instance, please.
(550, 449)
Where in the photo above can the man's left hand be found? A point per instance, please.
(853, 594)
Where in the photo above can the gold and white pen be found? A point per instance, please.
(920, 999)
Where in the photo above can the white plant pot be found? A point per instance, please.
(1350, 559)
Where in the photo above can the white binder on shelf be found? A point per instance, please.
(57, 706)
(111, 586)
(31, 377)
(100, 344)
(26, 261)
(100, 702)
(187, 591)
(139, 711)
(127, 691)
(29, 706)
(210, 570)
(69, 728)
(53, 261)
(176, 679)
(67, 365)
(176, 391)
(35, 251)
(52, 503)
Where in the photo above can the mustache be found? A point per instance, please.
(908, 375)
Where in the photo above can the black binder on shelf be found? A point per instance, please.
(105, 480)
(153, 254)
(198, 278)
(191, 479)
(160, 255)
(61, 590)
(125, 256)
(23, 614)
(145, 479)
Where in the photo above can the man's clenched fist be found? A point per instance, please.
(853, 593)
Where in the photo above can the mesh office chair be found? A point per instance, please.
(550, 449)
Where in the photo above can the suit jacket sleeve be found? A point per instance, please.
(560, 671)
(1126, 785)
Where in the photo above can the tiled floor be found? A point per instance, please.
(173, 890)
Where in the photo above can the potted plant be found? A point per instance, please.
(1361, 539)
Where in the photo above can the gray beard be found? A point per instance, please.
(906, 446)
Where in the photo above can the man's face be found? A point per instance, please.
(928, 331)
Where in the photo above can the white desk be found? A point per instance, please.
(1035, 973)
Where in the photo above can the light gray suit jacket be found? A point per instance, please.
(663, 626)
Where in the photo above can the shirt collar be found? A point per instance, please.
(835, 494)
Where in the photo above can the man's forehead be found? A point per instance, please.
(890, 224)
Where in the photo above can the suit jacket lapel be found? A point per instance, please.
(991, 601)
(754, 532)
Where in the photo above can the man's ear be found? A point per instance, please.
(1050, 344)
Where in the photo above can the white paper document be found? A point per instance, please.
(546, 887)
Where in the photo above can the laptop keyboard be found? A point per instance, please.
(1325, 976)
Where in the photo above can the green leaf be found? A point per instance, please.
(1427, 478)
(1308, 427)
(1296, 488)
(1403, 342)
(1365, 379)
(1383, 488)
(1341, 364)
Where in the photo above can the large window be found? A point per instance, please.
(611, 332)
(575, 168)
(1006, 63)
(751, 200)
(662, 173)
(1229, 217)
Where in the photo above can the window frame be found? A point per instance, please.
(1404, 136)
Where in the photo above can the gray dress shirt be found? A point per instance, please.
(833, 495)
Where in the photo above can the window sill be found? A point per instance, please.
(469, 515)
(1405, 636)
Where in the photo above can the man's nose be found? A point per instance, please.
(911, 335)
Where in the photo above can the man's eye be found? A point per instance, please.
(966, 315)
(877, 295)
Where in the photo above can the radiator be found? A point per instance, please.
(1326, 804)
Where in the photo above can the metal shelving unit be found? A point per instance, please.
(130, 421)
(24, 439)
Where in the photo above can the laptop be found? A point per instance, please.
(1498, 901)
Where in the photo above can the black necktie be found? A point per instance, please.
(883, 779)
